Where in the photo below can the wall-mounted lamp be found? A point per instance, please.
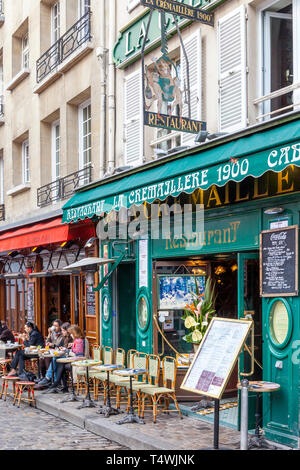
(13, 254)
(38, 249)
(89, 266)
(274, 211)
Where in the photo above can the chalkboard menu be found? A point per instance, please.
(90, 301)
(30, 301)
(279, 262)
(216, 357)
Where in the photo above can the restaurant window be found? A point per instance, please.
(278, 53)
(25, 162)
(25, 51)
(85, 137)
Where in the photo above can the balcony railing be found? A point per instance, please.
(283, 95)
(1, 106)
(77, 35)
(2, 212)
(63, 187)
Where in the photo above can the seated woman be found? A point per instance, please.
(66, 340)
(78, 349)
(5, 333)
(31, 337)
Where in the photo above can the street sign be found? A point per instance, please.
(180, 9)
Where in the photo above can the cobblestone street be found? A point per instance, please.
(30, 429)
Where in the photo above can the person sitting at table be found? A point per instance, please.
(65, 342)
(77, 349)
(53, 340)
(31, 337)
(6, 334)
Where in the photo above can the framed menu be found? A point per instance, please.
(279, 262)
(216, 357)
(143, 263)
(90, 301)
(30, 301)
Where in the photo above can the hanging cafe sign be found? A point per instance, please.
(181, 9)
(161, 83)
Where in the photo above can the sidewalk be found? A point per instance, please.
(169, 433)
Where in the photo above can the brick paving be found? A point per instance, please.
(31, 429)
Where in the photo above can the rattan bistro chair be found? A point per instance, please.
(167, 392)
(151, 380)
(99, 378)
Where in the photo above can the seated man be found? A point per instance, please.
(5, 333)
(66, 341)
(53, 340)
(31, 337)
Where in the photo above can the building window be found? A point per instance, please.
(1, 180)
(85, 136)
(25, 52)
(55, 151)
(55, 22)
(83, 7)
(278, 66)
(25, 162)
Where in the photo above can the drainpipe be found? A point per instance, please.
(111, 88)
(102, 54)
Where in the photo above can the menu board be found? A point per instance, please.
(215, 359)
(279, 262)
(30, 301)
(90, 301)
(143, 263)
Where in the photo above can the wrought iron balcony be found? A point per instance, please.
(1, 106)
(63, 187)
(77, 35)
(2, 212)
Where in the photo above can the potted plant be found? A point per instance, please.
(199, 313)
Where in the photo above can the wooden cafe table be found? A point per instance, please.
(88, 364)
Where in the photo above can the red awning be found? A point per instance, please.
(44, 233)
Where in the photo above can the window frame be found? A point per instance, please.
(54, 151)
(55, 32)
(25, 51)
(25, 162)
(81, 108)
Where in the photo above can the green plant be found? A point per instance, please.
(199, 313)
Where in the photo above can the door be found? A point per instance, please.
(126, 315)
(249, 303)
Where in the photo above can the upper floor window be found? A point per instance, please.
(85, 135)
(25, 162)
(277, 56)
(25, 51)
(55, 22)
(55, 145)
(83, 7)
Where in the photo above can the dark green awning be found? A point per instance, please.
(252, 155)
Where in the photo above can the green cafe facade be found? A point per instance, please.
(247, 182)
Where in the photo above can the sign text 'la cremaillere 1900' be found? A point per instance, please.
(180, 9)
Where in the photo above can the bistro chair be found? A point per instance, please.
(22, 387)
(167, 392)
(4, 389)
(151, 380)
(81, 372)
(3, 366)
(100, 377)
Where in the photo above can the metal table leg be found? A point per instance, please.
(107, 410)
(87, 402)
(131, 417)
(257, 440)
(73, 397)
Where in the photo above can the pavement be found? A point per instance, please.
(54, 425)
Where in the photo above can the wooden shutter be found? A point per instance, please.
(232, 71)
(192, 46)
(133, 135)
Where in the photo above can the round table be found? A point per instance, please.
(131, 417)
(5, 348)
(107, 410)
(259, 387)
(69, 360)
(87, 401)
